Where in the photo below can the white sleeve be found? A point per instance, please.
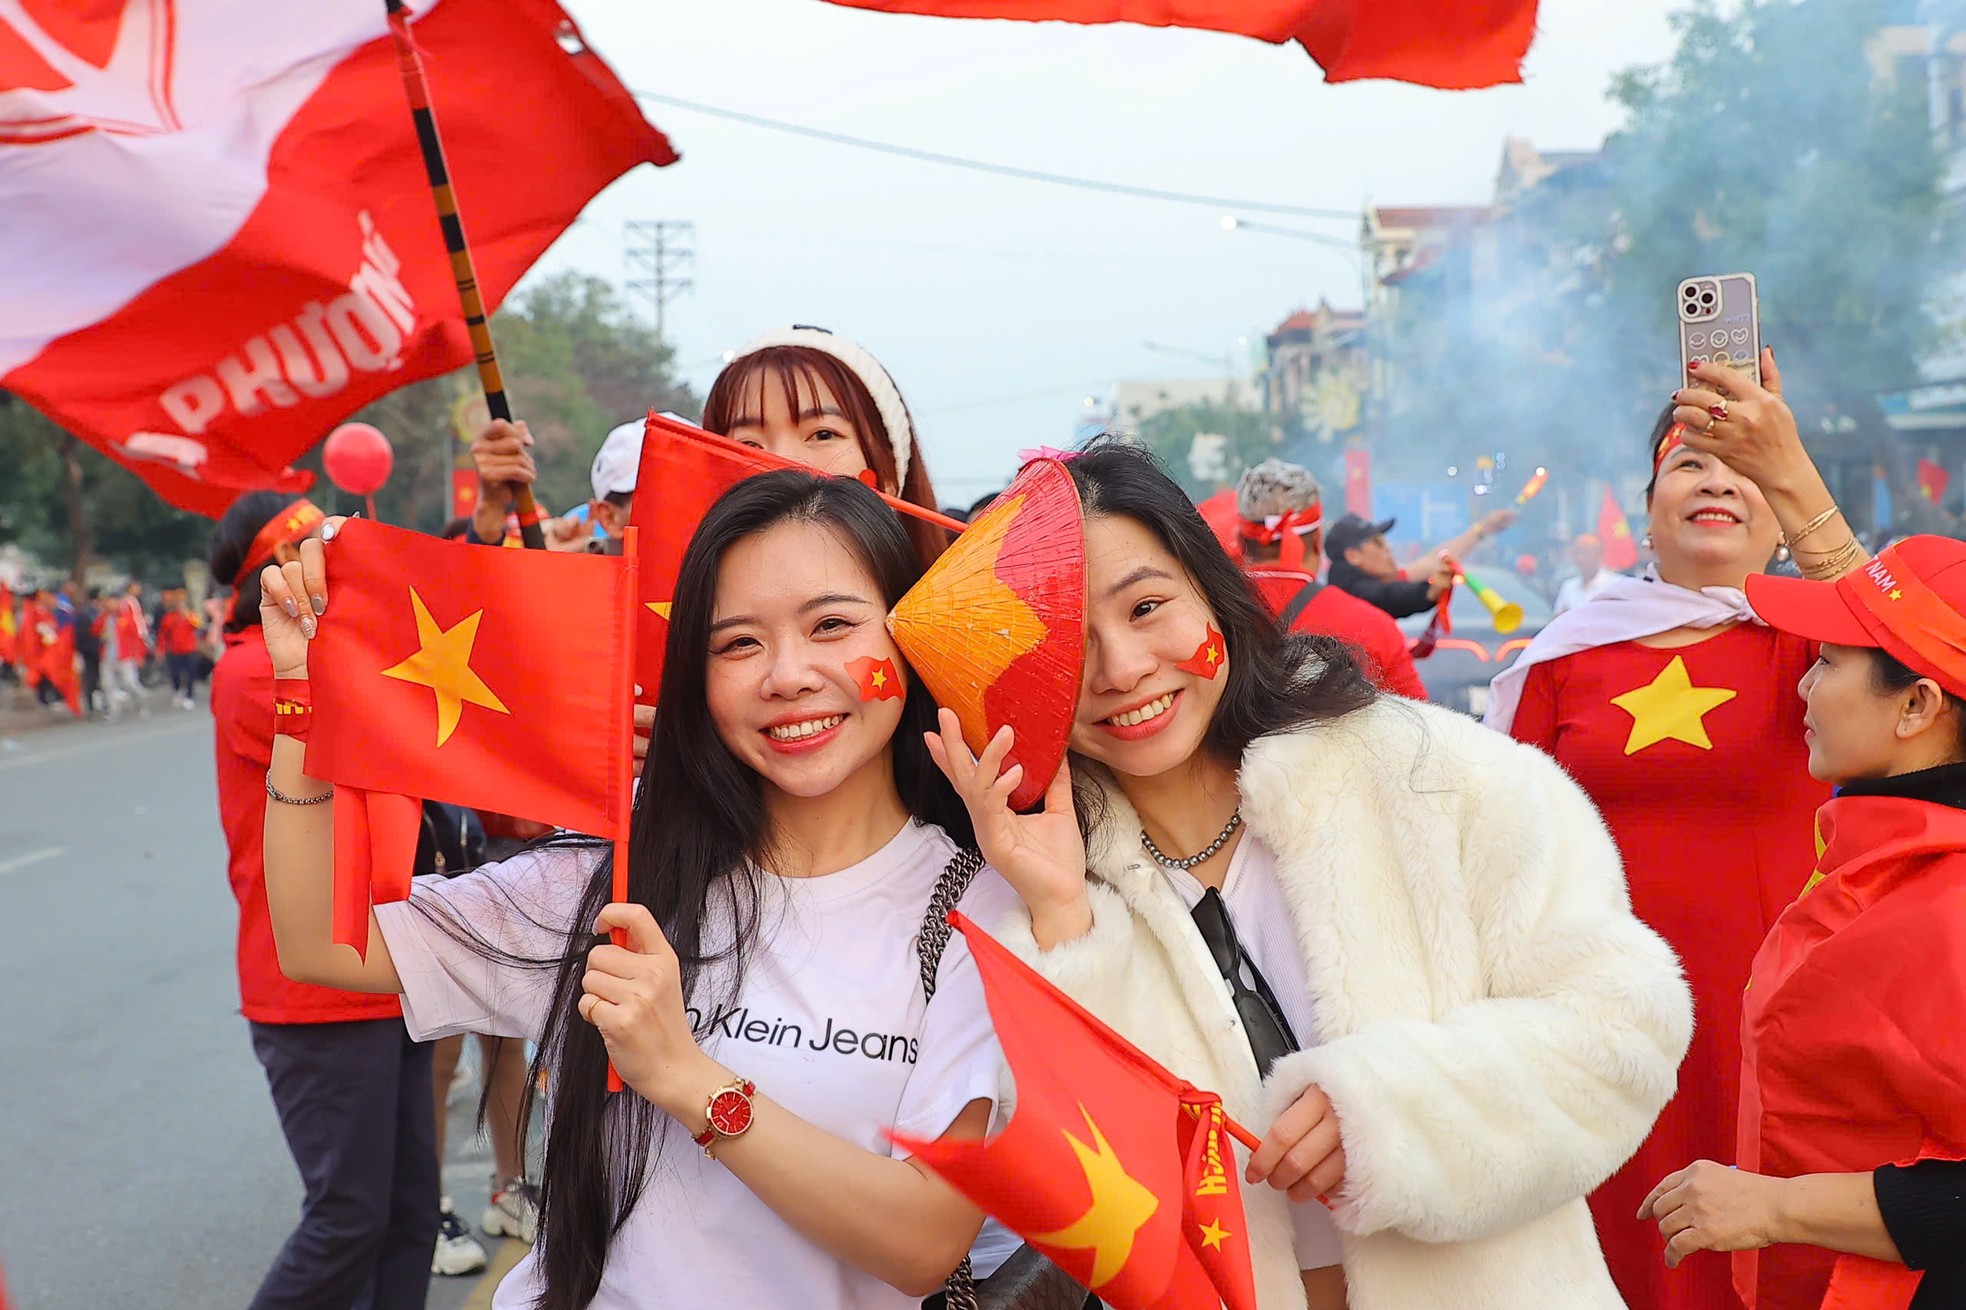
(958, 1060)
(478, 953)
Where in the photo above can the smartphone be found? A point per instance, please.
(1720, 323)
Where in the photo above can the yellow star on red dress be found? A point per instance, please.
(1213, 1235)
(442, 662)
(1671, 708)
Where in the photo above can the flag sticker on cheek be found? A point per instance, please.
(1210, 658)
(878, 679)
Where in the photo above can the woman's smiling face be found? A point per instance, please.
(1154, 658)
(795, 607)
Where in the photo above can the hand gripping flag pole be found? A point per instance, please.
(475, 321)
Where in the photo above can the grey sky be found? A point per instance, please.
(975, 289)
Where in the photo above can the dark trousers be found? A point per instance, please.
(91, 681)
(354, 1101)
(182, 669)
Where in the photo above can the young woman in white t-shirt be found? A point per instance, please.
(789, 834)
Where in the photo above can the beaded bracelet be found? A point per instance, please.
(275, 794)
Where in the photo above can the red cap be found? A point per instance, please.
(1909, 602)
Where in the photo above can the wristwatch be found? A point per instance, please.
(728, 1112)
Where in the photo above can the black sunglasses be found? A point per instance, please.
(1270, 1038)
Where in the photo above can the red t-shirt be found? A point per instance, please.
(177, 635)
(242, 710)
(1363, 626)
(1703, 778)
(132, 631)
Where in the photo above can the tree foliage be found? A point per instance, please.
(1775, 140)
(575, 364)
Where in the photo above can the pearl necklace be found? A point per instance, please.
(1167, 862)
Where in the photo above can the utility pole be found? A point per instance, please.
(655, 251)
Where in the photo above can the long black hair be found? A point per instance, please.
(225, 551)
(699, 828)
(1276, 680)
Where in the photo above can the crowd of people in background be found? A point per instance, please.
(99, 652)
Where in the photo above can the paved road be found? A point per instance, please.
(141, 1166)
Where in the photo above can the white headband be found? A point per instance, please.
(887, 396)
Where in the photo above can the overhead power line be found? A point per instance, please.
(1001, 170)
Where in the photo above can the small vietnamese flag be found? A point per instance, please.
(494, 679)
(1933, 479)
(1111, 1166)
(1209, 659)
(6, 624)
(878, 679)
(1620, 552)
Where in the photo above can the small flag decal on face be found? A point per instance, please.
(1209, 658)
(878, 679)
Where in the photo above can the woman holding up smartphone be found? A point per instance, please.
(1672, 705)
(1851, 1186)
(769, 1014)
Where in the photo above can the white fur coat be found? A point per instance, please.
(1493, 1026)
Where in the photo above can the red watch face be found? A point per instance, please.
(730, 1113)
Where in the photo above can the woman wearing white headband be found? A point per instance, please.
(813, 396)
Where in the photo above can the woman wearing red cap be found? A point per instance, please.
(1849, 1190)
(1672, 704)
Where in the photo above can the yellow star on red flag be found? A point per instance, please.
(1120, 1208)
(442, 662)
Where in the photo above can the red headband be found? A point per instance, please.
(294, 523)
(1675, 438)
(1269, 531)
(1909, 619)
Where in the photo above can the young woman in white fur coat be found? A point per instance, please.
(1465, 1028)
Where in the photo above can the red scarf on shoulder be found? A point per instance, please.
(1853, 1047)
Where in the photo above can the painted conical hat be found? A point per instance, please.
(996, 627)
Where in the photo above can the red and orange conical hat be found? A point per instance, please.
(996, 627)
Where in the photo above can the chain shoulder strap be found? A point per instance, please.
(949, 888)
(960, 1293)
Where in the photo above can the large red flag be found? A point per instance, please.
(220, 236)
(1111, 1166)
(495, 679)
(1443, 43)
(1620, 551)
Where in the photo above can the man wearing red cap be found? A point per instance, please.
(1849, 1190)
(1281, 511)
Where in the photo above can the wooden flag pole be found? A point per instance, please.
(475, 321)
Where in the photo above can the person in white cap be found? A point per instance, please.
(813, 396)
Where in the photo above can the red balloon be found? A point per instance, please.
(358, 458)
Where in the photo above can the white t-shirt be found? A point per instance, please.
(1268, 934)
(829, 1023)
(1575, 591)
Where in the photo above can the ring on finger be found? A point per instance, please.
(1719, 411)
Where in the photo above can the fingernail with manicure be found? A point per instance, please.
(327, 533)
(320, 603)
(293, 610)
(307, 628)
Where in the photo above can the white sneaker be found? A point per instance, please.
(513, 1212)
(457, 1251)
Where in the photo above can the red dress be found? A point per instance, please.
(1696, 758)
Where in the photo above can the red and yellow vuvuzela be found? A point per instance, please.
(996, 627)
